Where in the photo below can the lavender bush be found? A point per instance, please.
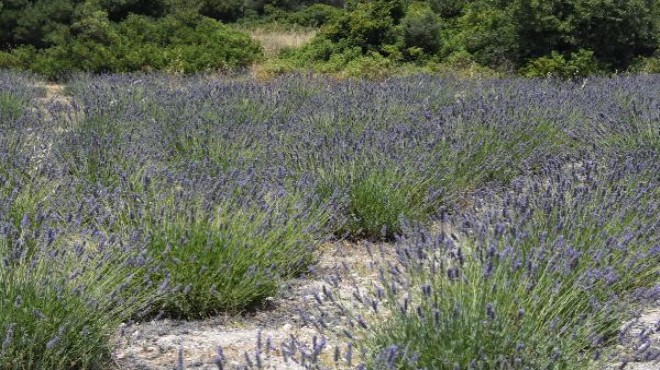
(538, 281)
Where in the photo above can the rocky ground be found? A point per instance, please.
(639, 342)
(161, 344)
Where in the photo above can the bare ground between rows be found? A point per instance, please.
(639, 343)
(156, 344)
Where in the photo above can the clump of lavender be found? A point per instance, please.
(535, 277)
(60, 306)
(17, 95)
(228, 255)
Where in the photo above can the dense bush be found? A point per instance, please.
(579, 64)
(120, 9)
(315, 15)
(421, 32)
(367, 36)
(229, 10)
(34, 23)
(487, 33)
(448, 8)
(370, 26)
(506, 36)
(646, 64)
(182, 43)
(616, 31)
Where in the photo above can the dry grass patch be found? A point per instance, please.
(275, 41)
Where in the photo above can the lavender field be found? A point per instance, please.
(520, 217)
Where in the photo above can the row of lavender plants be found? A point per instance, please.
(148, 195)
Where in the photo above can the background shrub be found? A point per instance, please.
(184, 44)
(646, 64)
(502, 36)
(421, 29)
(579, 64)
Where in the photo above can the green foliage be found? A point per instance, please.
(368, 26)
(182, 43)
(231, 258)
(57, 315)
(230, 10)
(506, 36)
(617, 31)
(646, 64)
(295, 5)
(421, 32)
(119, 9)
(34, 22)
(542, 26)
(395, 9)
(9, 61)
(368, 39)
(224, 10)
(372, 66)
(315, 15)
(498, 298)
(487, 33)
(579, 64)
(448, 8)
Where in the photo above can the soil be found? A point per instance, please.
(639, 343)
(157, 344)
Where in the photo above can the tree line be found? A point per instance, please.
(531, 37)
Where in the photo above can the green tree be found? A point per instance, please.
(230, 10)
(395, 9)
(421, 30)
(369, 26)
(543, 26)
(617, 30)
(448, 8)
(487, 33)
(33, 22)
(579, 64)
(120, 9)
(301, 4)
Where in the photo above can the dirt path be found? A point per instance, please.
(51, 109)
(156, 344)
(639, 347)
